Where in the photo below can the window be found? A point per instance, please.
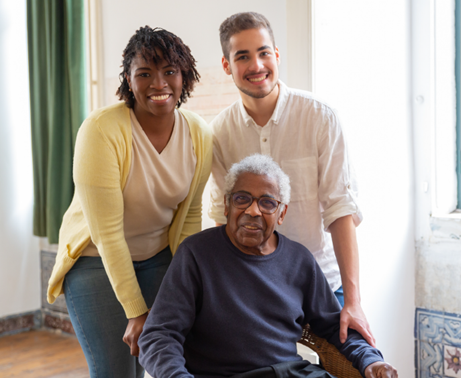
(94, 43)
(434, 111)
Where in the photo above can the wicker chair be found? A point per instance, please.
(332, 361)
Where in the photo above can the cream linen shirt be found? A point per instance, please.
(305, 138)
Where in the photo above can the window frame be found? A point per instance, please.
(434, 101)
(458, 95)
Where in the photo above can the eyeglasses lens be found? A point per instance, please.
(243, 201)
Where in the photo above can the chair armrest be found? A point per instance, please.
(332, 360)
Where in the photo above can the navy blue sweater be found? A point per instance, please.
(221, 312)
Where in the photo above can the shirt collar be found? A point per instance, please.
(281, 102)
(279, 107)
(246, 117)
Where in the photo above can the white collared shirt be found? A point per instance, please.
(304, 137)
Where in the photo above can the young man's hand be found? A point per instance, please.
(380, 370)
(352, 316)
(132, 333)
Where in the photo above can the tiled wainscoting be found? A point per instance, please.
(43, 318)
(438, 344)
(50, 316)
(20, 323)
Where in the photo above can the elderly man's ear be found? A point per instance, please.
(282, 215)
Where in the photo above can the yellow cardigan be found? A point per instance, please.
(102, 162)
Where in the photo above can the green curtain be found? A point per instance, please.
(58, 100)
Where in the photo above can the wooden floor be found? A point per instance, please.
(41, 354)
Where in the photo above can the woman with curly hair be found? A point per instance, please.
(140, 168)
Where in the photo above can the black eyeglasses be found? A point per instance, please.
(266, 205)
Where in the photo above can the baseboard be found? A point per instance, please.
(39, 319)
(50, 316)
(57, 321)
(20, 322)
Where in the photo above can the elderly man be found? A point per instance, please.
(236, 297)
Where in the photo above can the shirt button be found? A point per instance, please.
(349, 186)
(264, 139)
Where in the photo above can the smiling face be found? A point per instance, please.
(156, 87)
(253, 62)
(248, 229)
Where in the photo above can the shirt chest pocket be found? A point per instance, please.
(303, 178)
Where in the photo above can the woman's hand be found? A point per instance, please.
(380, 370)
(132, 332)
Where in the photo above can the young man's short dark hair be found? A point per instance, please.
(239, 22)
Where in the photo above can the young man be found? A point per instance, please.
(235, 298)
(304, 136)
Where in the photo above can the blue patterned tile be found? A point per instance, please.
(430, 358)
(452, 362)
(438, 344)
(426, 374)
(452, 328)
(429, 326)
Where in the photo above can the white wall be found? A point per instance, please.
(19, 257)
(362, 60)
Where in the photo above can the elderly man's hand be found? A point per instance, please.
(352, 316)
(380, 370)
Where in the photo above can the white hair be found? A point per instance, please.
(261, 165)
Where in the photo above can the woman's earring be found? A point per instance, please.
(129, 89)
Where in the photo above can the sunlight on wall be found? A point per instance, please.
(19, 266)
(17, 103)
(362, 69)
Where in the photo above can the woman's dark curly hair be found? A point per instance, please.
(148, 43)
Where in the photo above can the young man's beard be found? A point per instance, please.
(256, 95)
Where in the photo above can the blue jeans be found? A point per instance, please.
(98, 317)
(340, 296)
